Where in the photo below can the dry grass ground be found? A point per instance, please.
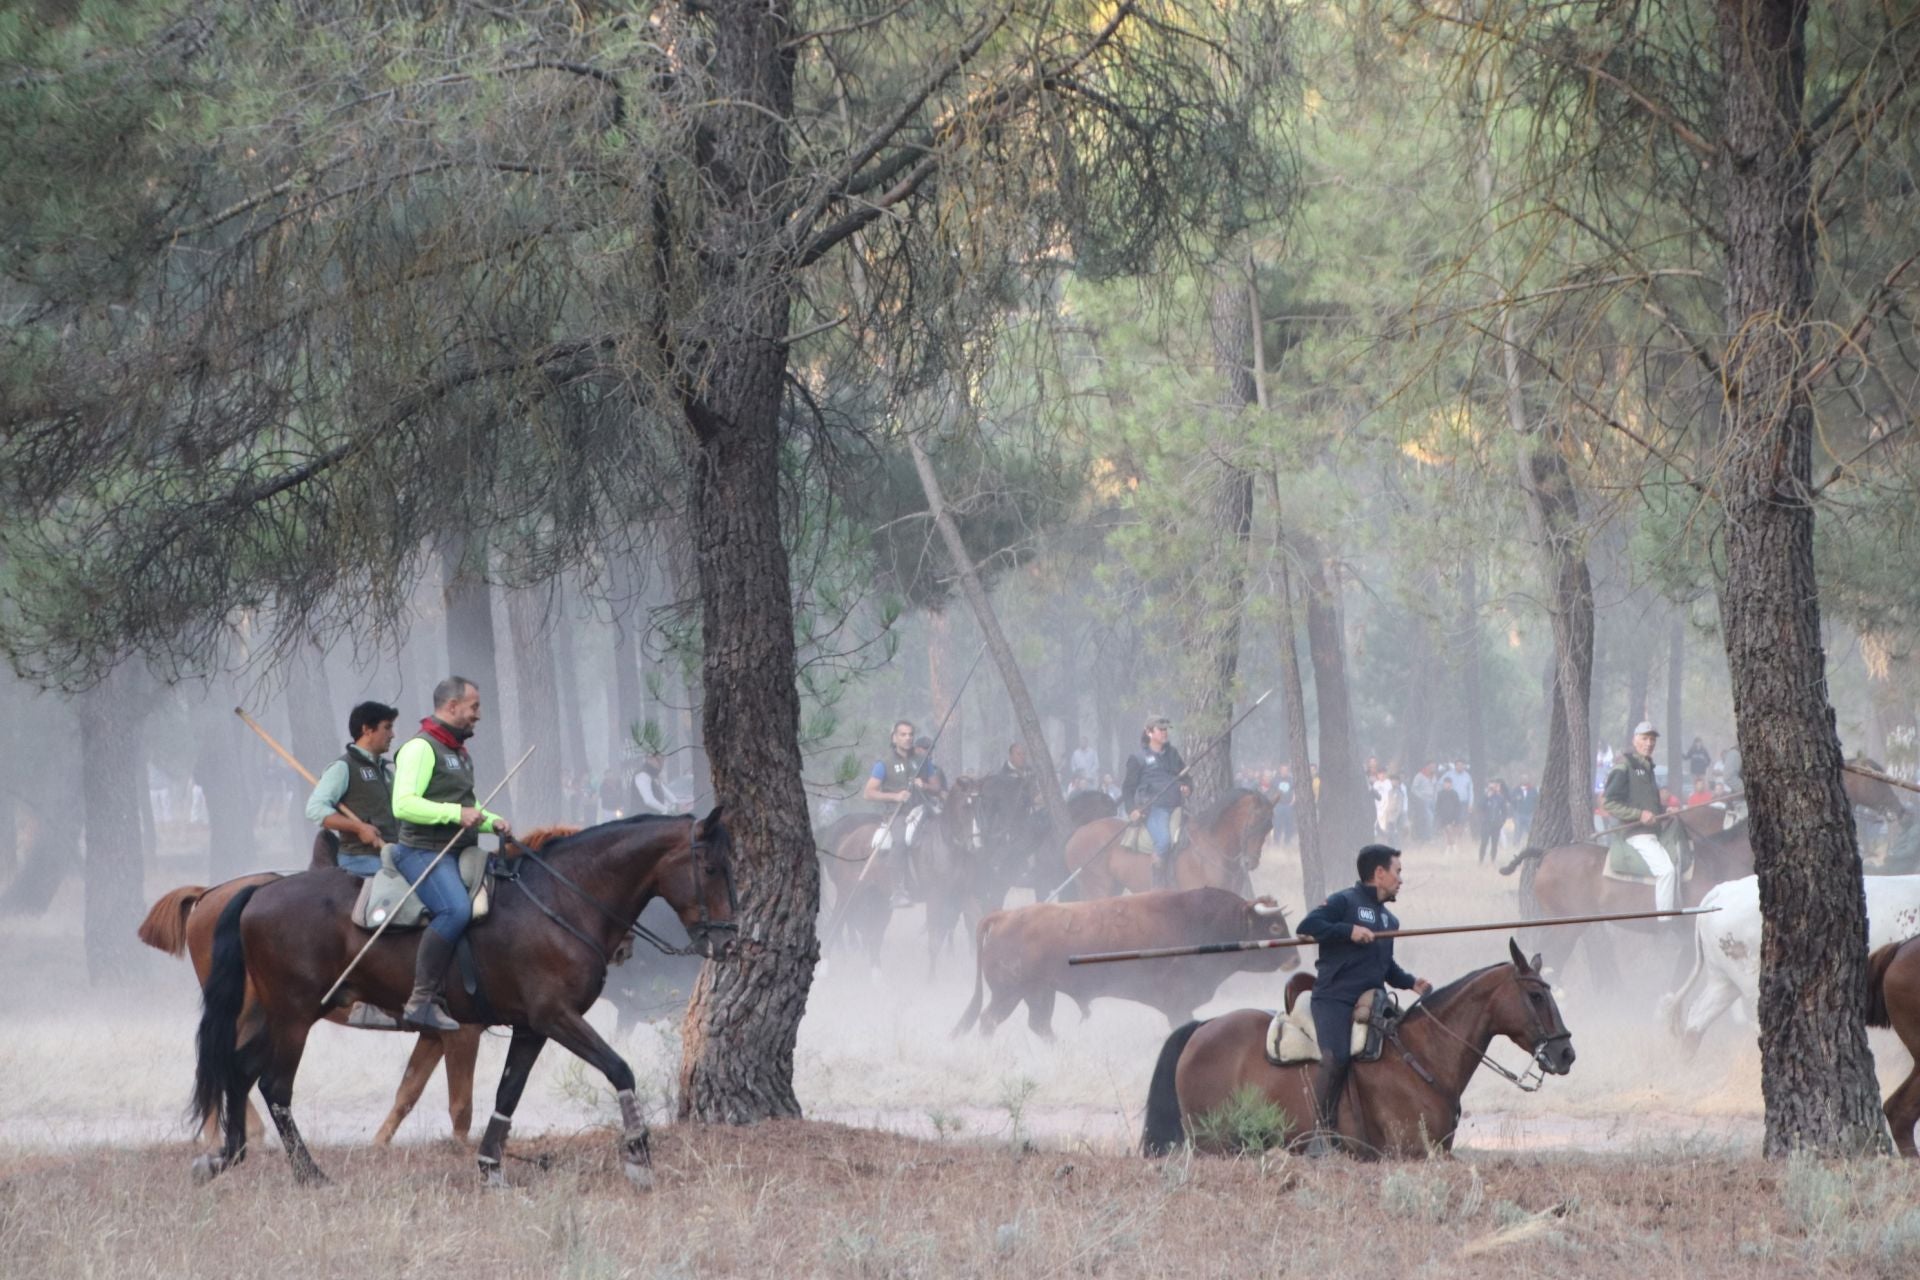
(808, 1199)
(1002, 1156)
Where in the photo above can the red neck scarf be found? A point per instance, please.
(439, 731)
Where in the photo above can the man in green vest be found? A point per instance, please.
(360, 782)
(433, 801)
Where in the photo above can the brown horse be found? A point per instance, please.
(1403, 1105)
(1569, 880)
(541, 957)
(944, 873)
(181, 924)
(1223, 849)
(1893, 1000)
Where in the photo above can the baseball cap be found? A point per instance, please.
(1645, 726)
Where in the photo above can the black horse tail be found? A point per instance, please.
(972, 1015)
(1163, 1129)
(1877, 964)
(220, 1000)
(1532, 853)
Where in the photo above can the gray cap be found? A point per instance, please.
(1645, 726)
(1158, 722)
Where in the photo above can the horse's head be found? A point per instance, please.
(1525, 1012)
(960, 818)
(1240, 824)
(696, 879)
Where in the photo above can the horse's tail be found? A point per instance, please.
(165, 928)
(1163, 1129)
(1877, 965)
(972, 1015)
(220, 1001)
(1532, 853)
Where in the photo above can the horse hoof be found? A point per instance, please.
(204, 1170)
(640, 1175)
(492, 1177)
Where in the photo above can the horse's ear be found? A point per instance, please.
(1519, 958)
(1534, 963)
(708, 823)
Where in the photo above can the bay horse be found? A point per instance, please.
(181, 923)
(541, 955)
(1570, 880)
(1893, 1000)
(1222, 850)
(1403, 1105)
(864, 882)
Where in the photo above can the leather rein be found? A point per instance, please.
(1527, 1081)
(696, 849)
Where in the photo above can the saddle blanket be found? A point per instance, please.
(1291, 1039)
(1625, 864)
(1136, 839)
(381, 893)
(883, 838)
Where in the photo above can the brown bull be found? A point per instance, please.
(1023, 953)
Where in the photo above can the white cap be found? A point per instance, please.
(1645, 726)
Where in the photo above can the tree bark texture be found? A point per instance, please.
(1220, 588)
(744, 1017)
(536, 788)
(468, 604)
(1345, 806)
(1817, 1074)
(1306, 813)
(1039, 756)
(115, 896)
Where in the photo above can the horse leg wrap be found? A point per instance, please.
(634, 1149)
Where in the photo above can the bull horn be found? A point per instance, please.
(1267, 909)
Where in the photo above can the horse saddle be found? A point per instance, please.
(883, 838)
(1136, 839)
(380, 901)
(1292, 1041)
(1625, 864)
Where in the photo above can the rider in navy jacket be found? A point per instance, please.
(1351, 961)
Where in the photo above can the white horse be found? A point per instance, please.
(1726, 949)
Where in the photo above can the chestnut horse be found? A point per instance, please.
(1569, 880)
(541, 954)
(181, 924)
(1222, 850)
(1893, 1000)
(1403, 1105)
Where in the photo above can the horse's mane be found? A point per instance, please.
(540, 837)
(558, 838)
(1219, 808)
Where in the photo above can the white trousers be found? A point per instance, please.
(1666, 877)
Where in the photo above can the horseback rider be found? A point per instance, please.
(649, 792)
(1633, 795)
(1352, 962)
(433, 800)
(1153, 789)
(895, 780)
(361, 783)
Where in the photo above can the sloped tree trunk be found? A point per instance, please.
(1816, 1071)
(1306, 811)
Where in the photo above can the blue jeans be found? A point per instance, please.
(360, 864)
(1160, 831)
(441, 893)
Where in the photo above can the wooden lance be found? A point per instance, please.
(286, 755)
(412, 888)
(1877, 776)
(1268, 944)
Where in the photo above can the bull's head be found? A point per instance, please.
(1267, 919)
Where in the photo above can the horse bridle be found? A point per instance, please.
(699, 853)
(1527, 1081)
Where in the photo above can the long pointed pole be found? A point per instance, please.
(414, 887)
(288, 756)
(1269, 944)
(1227, 736)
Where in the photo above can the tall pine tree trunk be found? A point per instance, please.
(743, 1020)
(1478, 765)
(1816, 1071)
(470, 648)
(1306, 812)
(536, 788)
(226, 767)
(115, 897)
(1345, 806)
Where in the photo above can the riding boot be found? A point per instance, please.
(1329, 1082)
(424, 1007)
(370, 1017)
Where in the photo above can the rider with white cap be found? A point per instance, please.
(1633, 795)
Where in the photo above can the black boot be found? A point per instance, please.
(424, 1008)
(1328, 1084)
